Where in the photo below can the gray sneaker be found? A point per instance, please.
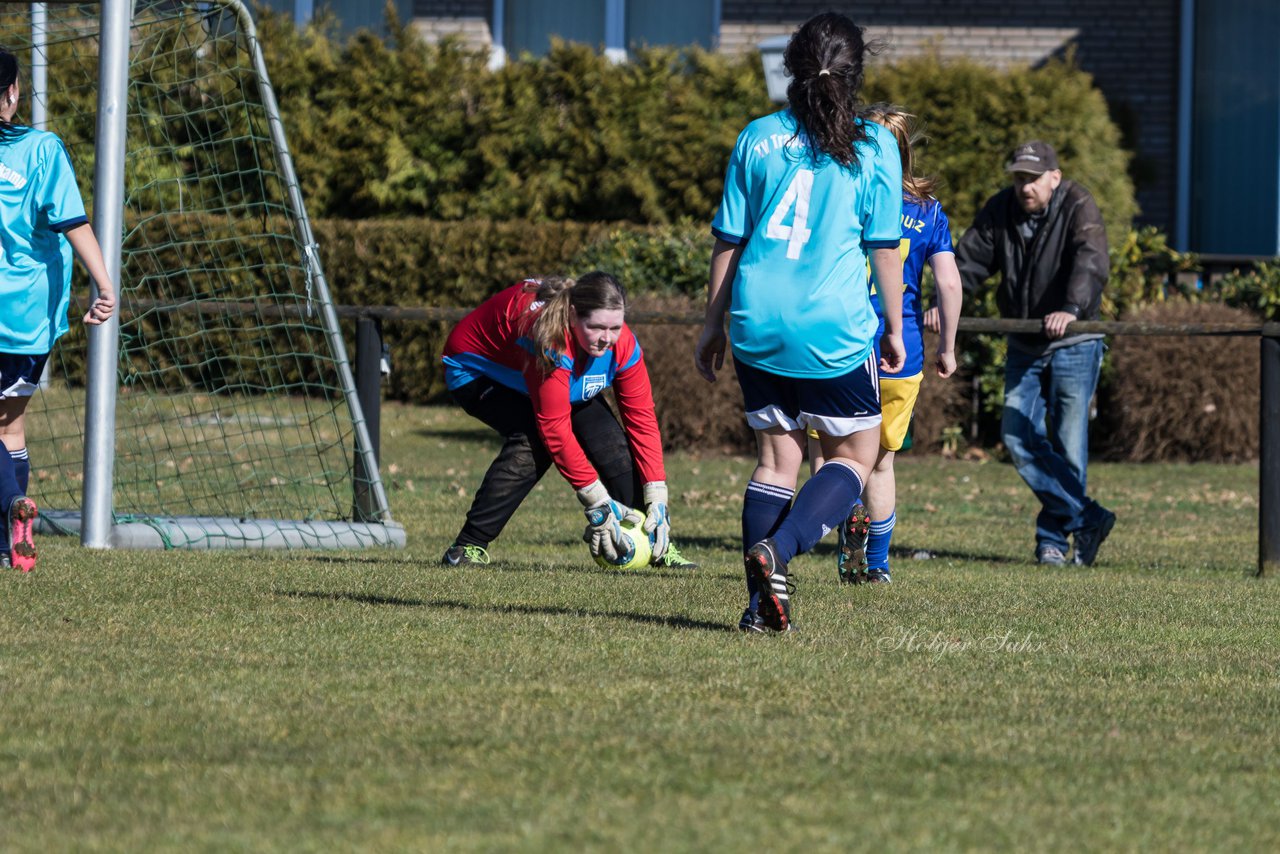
(1050, 556)
(1089, 539)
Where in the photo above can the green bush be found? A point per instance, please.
(402, 128)
(975, 115)
(1258, 290)
(1145, 270)
(405, 128)
(663, 260)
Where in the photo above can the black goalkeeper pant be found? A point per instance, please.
(523, 459)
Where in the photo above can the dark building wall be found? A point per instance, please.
(451, 8)
(1129, 46)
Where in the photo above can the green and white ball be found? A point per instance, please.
(641, 549)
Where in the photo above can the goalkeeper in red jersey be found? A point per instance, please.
(531, 362)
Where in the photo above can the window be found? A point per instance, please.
(616, 25)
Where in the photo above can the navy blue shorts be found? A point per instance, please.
(837, 406)
(20, 374)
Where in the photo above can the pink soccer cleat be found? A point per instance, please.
(22, 549)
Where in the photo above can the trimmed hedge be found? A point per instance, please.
(1171, 398)
(402, 128)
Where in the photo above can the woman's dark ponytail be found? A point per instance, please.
(8, 76)
(825, 60)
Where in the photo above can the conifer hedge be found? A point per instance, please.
(403, 128)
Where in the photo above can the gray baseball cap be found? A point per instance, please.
(1033, 157)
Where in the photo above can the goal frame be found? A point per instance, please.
(95, 522)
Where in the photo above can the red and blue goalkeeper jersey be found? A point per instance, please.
(925, 232)
(491, 342)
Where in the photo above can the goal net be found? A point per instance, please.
(234, 421)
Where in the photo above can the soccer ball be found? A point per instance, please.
(640, 552)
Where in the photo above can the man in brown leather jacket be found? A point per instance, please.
(1045, 237)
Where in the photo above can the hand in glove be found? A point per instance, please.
(657, 523)
(604, 522)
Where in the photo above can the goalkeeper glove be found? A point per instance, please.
(657, 523)
(604, 521)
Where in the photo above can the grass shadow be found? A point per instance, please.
(908, 553)
(346, 558)
(533, 610)
(482, 434)
(687, 543)
(344, 596)
(593, 569)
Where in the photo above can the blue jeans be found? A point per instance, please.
(1046, 429)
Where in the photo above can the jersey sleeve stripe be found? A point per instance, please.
(881, 244)
(736, 240)
(67, 225)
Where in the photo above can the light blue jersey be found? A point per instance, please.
(39, 200)
(800, 306)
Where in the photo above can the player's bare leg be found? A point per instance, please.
(881, 499)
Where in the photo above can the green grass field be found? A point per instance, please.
(375, 701)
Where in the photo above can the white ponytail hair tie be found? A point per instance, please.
(826, 71)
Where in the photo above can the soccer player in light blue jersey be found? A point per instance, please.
(43, 220)
(810, 194)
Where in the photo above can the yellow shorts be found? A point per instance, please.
(897, 402)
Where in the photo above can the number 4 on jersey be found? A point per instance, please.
(797, 196)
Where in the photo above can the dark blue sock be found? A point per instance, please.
(9, 488)
(763, 509)
(9, 491)
(878, 542)
(821, 504)
(21, 469)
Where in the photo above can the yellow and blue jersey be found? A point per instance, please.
(39, 200)
(800, 304)
(925, 233)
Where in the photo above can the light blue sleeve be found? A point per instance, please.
(882, 202)
(734, 223)
(58, 193)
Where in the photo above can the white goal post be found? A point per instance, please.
(239, 410)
